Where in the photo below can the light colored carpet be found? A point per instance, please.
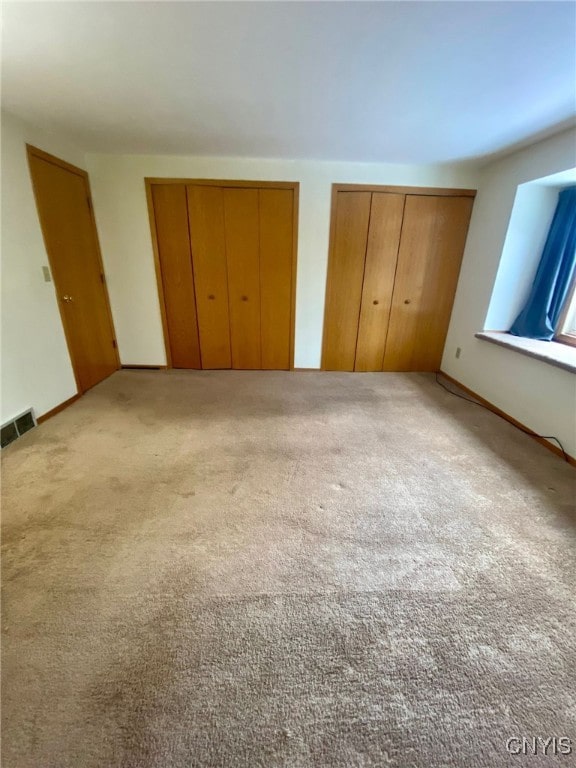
(284, 569)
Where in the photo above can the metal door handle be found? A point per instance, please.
(67, 298)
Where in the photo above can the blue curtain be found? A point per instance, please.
(541, 313)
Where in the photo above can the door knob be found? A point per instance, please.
(406, 301)
(244, 298)
(67, 298)
(211, 296)
(375, 301)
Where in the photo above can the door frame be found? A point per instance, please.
(32, 151)
(150, 182)
(336, 188)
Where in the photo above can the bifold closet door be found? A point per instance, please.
(241, 226)
(366, 234)
(276, 207)
(225, 258)
(344, 281)
(386, 214)
(206, 216)
(171, 218)
(392, 275)
(431, 247)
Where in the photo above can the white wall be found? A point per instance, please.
(539, 395)
(36, 368)
(122, 218)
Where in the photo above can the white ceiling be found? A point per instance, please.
(401, 82)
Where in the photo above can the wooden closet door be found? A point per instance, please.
(381, 255)
(206, 217)
(171, 217)
(276, 247)
(241, 224)
(344, 280)
(431, 247)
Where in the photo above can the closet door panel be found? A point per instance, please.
(276, 248)
(453, 219)
(206, 217)
(381, 256)
(344, 280)
(431, 247)
(241, 224)
(171, 218)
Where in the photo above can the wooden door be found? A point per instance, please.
(381, 254)
(206, 216)
(64, 207)
(344, 281)
(171, 218)
(241, 227)
(276, 253)
(431, 247)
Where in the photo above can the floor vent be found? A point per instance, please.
(12, 430)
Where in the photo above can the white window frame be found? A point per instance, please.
(563, 334)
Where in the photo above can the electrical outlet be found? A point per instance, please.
(47, 275)
(458, 352)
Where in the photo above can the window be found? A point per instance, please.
(566, 331)
(548, 312)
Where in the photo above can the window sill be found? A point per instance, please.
(560, 355)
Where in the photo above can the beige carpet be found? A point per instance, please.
(274, 569)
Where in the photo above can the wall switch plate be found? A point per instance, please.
(458, 352)
(47, 275)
